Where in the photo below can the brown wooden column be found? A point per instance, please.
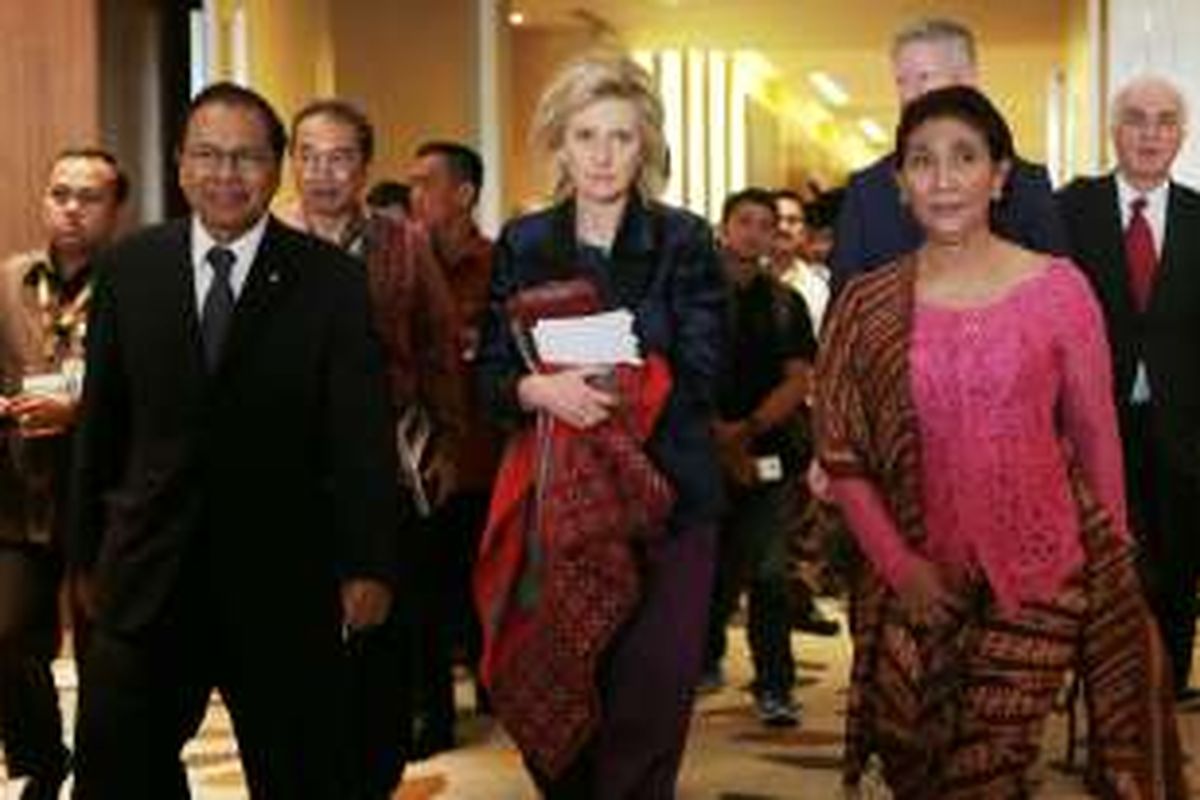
(49, 92)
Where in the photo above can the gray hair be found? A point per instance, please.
(601, 76)
(1146, 81)
(937, 30)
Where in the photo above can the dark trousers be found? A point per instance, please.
(754, 556)
(379, 706)
(648, 681)
(30, 721)
(1163, 502)
(447, 620)
(283, 680)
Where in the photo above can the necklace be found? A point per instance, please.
(63, 325)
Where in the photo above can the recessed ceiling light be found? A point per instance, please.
(829, 89)
(516, 18)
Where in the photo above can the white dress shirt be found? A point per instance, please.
(244, 249)
(812, 282)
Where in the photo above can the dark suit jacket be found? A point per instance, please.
(873, 227)
(1165, 337)
(261, 486)
(663, 266)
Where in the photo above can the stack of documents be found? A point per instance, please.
(595, 339)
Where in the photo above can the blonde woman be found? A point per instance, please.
(594, 630)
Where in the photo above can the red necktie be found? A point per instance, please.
(1139, 254)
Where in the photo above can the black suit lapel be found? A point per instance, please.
(1112, 234)
(1174, 246)
(271, 274)
(180, 295)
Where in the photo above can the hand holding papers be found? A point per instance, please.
(589, 340)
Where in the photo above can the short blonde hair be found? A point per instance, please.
(602, 76)
(937, 30)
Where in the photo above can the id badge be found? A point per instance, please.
(769, 469)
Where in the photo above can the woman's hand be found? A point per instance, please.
(567, 396)
(923, 594)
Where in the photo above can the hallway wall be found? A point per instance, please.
(49, 82)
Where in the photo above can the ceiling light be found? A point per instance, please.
(829, 89)
(516, 18)
(873, 131)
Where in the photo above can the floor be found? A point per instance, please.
(730, 755)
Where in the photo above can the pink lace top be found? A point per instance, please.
(1005, 392)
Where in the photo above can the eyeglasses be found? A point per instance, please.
(340, 161)
(206, 159)
(1144, 122)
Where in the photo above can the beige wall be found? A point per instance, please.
(1084, 150)
(535, 55)
(291, 50)
(1017, 79)
(412, 66)
(409, 65)
(49, 83)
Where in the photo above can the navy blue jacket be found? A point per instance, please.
(664, 267)
(874, 227)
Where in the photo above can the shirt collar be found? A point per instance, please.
(245, 247)
(1155, 198)
(635, 234)
(42, 263)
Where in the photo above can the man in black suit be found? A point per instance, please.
(234, 497)
(1136, 234)
(874, 226)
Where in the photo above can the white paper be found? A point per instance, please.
(594, 339)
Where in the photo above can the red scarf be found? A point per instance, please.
(558, 570)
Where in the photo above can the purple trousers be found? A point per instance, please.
(648, 680)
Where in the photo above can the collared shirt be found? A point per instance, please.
(812, 282)
(244, 248)
(42, 317)
(42, 328)
(1156, 214)
(1155, 211)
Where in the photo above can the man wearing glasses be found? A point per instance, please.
(234, 497)
(43, 306)
(1136, 234)
(332, 146)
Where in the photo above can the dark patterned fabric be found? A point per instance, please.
(558, 571)
(956, 711)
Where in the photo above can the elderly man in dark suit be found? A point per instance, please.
(235, 491)
(1136, 233)
(874, 226)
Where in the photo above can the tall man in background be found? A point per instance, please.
(332, 147)
(874, 226)
(1136, 233)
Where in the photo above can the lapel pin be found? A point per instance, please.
(273, 277)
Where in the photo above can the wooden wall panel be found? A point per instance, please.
(49, 93)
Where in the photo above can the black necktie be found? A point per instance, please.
(218, 305)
